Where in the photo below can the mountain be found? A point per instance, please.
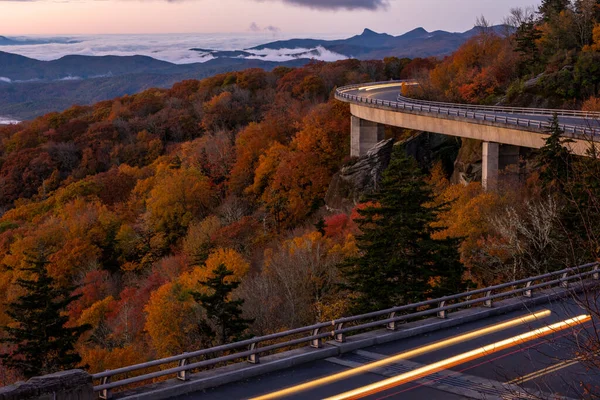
(19, 68)
(26, 100)
(30, 87)
(5, 41)
(370, 44)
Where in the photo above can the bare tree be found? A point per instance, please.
(525, 242)
(518, 16)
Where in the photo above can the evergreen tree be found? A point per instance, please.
(42, 343)
(551, 8)
(224, 320)
(554, 159)
(320, 226)
(399, 262)
(525, 44)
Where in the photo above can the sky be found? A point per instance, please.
(54, 17)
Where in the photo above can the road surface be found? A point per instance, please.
(539, 366)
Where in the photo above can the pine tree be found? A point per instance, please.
(41, 342)
(224, 320)
(551, 8)
(399, 262)
(554, 159)
(525, 39)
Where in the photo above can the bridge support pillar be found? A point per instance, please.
(490, 164)
(495, 158)
(364, 135)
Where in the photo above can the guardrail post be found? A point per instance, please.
(596, 275)
(105, 394)
(253, 358)
(316, 343)
(340, 337)
(183, 375)
(489, 303)
(528, 292)
(564, 283)
(393, 325)
(467, 299)
(443, 314)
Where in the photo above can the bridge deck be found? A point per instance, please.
(484, 377)
(520, 127)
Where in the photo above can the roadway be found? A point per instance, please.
(391, 92)
(538, 365)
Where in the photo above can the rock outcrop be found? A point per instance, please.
(361, 177)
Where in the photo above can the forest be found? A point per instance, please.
(148, 220)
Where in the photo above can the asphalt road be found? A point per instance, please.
(548, 365)
(391, 94)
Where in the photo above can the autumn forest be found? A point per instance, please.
(139, 209)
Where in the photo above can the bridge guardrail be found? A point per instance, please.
(338, 329)
(486, 113)
(509, 110)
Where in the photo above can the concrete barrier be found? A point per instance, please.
(73, 384)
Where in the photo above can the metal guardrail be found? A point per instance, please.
(480, 113)
(510, 110)
(339, 329)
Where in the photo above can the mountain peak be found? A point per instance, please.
(415, 33)
(369, 32)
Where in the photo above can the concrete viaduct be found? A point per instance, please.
(503, 130)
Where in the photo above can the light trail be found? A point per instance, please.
(406, 355)
(382, 86)
(470, 367)
(459, 359)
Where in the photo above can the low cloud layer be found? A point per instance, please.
(178, 49)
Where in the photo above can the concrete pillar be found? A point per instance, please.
(490, 165)
(364, 135)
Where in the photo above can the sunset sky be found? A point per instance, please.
(22, 17)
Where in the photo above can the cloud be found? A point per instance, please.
(272, 29)
(340, 4)
(254, 27)
(315, 4)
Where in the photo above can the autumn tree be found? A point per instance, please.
(224, 321)
(40, 340)
(399, 262)
(180, 195)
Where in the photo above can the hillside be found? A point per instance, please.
(30, 88)
(93, 79)
(132, 205)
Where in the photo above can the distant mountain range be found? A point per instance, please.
(4, 41)
(30, 87)
(368, 45)
(373, 45)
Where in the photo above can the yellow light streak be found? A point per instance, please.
(406, 355)
(459, 359)
(382, 86)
